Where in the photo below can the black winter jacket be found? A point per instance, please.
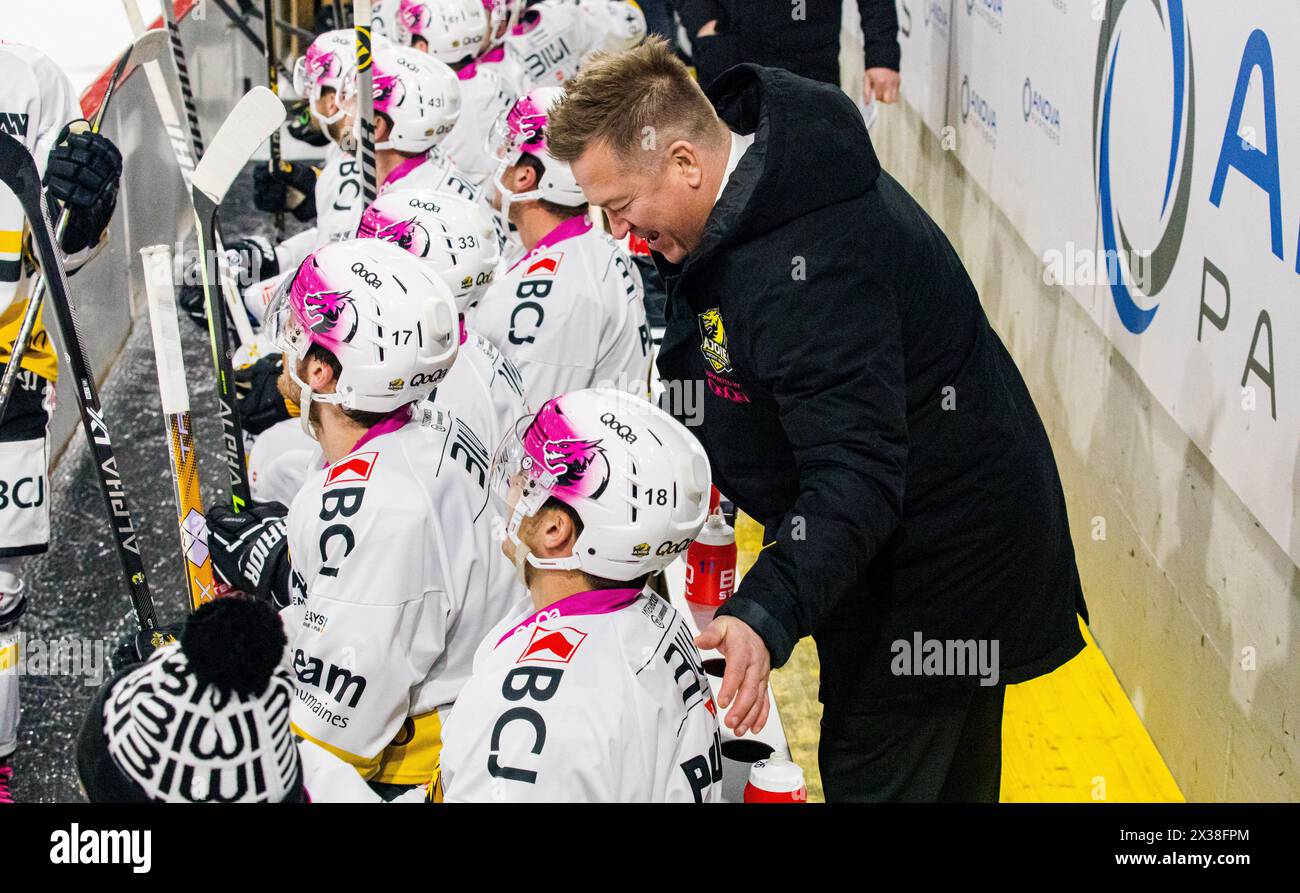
(858, 404)
(767, 32)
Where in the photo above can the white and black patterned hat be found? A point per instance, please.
(203, 719)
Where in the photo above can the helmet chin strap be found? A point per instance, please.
(509, 198)
(524, 555)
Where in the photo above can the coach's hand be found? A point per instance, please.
(745, 679)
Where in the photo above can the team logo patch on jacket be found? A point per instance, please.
(555, 646)
(714, 343)
(352, 469)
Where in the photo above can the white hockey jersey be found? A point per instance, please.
(484, 96)
(339, 204)
(396, 578)
(483, 388)
(544, 50)
(280, 460)
(570, 314)
(36, 101)
(600, 697)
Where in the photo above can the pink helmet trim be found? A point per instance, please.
(322, 62)
(528, 125)
(415, 16)
(324, 312)
(388, 90)
(406, 233)
(579, 464)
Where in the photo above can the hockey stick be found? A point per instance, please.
(361, 18)
(146, 48)
(183, 75)
(247, 30)
(254, 119)
(285, 25)
(18, 172)
(273, 81)
(195, 560)
(180, 142)
(167, 110)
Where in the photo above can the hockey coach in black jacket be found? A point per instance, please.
(856, 402)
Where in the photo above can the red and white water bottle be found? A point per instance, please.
(776, 780)
(711, 564)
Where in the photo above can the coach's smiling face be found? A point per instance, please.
(664, 196)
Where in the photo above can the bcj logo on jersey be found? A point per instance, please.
(556, 646)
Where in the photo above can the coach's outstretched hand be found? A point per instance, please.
(745, 678)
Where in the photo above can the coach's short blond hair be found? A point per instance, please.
(635, 101)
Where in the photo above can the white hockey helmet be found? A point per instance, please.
(450, 233)
(324, 66)
(637, 479)
(388, 319)
(614, 25)
(383, 18)
(501, 17)
(521, 130)
(418, 94)
(453, 29)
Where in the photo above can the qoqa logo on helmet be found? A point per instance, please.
(624, 431)
(365, 275)
(1178, 173)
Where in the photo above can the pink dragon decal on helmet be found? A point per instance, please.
(321, 308)
(414, 16)
(579, 465)
(321, 63)
(409, 235)
(388, 91)
(527, 124)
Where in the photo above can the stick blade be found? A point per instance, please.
(161, 295)
(258, 115)
(148, 47)
(17, 168)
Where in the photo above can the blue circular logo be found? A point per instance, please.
(1156, 268)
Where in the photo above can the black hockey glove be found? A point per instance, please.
(250, 550)
(260, 402)
(303, 126)
(251, 260)
(84, 172)
(292, 187)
